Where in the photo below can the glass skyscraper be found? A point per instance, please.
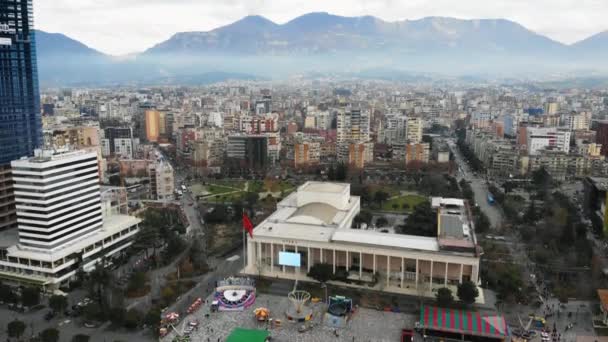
(20, 118)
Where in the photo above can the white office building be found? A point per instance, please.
(62, 224)
(547, 138)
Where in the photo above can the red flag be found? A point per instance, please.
(247, 225)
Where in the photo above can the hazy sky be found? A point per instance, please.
(126, 26)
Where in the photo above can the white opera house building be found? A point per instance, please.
(316, 220)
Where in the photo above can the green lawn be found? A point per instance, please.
(218, 189)
(207, 190)
(256, 186)
(231, 183)
(228, 198)
(410, 200)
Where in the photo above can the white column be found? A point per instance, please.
(388, 269)
(334, 261)
(347, 261)
(374, 264)
(461, 270)
(475, 274)
(402, 271)
(417, 270)
(308, 257)
(360, 265)
(271, 257)
(296, 270)
(445, 281)
(321, 255)
(259, 255)
(250, 254)
(431, 278)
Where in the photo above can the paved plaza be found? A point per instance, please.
(366, 325)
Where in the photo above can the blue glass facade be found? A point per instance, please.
(20, 118)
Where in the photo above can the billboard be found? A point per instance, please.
(289, 259)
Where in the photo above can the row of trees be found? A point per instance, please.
(467, 293)
(30, 296)
(158, 229)
(16, 329)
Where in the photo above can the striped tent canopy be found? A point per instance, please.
(463, 322)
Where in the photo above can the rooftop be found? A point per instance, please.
(45, 158)
(335, 188)
(366, 237)
(309, 215)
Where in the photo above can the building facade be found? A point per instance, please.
(152, 123)
(248, 150)
(162, 179)
(64, 223)
(316, 220)
(20, 118)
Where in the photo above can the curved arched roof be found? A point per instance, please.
(314, 213)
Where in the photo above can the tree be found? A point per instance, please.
(136, 281)
(152, 320)
(422, 221)
(133, 318)
(341, 171)
(100, 279)
(364, 216)
(321, 272)
(16, 329)
(541, 178)
(58, 303)
(30, 296)
(146, 238)
(444, 297)
(168, 294)
(117, 316)
(81, 338)
(92, 312)
(49, 335)
(467, 292)
(482, 223)
(219, 214)
(251, 198)
(530, 214)
(7, 294)
(381, 196)
(395, 206)
(381, 222)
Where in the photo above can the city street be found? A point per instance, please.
(479, 188)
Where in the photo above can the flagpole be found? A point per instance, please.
(244, 242)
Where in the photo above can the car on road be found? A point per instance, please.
(90, 325)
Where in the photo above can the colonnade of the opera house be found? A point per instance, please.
(390, 270)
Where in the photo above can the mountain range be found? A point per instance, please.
(321, 42)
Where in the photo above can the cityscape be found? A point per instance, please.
(322, 178)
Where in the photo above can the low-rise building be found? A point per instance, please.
(315, 222)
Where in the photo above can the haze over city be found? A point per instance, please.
(303, 171)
